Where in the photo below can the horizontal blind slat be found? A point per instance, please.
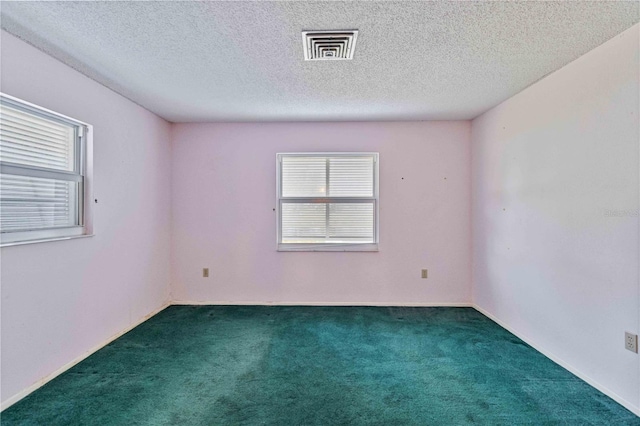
(31, 154)
(36, 203)
(322, 220)
(31, 140)
(351, 220)
(35, 132)
(351, 177)
(300, 220)
(304, 177)
(32, 120)
(22, 140)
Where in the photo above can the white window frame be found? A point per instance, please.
(83, 174)
(371, 247)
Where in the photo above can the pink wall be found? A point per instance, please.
(60, 299)
(548, 261)
(223, 198)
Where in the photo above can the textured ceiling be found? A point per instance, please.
(243, 61)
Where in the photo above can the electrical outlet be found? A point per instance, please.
(424, 273)
(205, 272)
(631, 342)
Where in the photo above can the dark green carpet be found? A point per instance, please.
(317, 366)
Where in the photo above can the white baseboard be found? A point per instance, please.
(378, 304)
(17, 397)
(628, 405)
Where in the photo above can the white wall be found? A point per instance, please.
(548, 166)
(61, 299)
(224, 189)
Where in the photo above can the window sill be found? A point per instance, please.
(44, 240)
(336, 247)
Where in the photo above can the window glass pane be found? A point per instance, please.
(351, 222)
(351, 177)
(304, 177)
(31, 140)
(339, 199)
(303, 222)
(34, 203)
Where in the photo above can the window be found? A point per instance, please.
(43, 180)
(327, 201)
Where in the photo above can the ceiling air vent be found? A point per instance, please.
(329, 45)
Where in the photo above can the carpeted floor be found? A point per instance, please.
(317, 366)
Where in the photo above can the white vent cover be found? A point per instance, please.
(329, 45)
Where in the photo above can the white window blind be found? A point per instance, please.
(327, 201)
(30, 140)
(41, 173)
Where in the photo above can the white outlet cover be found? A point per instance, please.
(631, 342)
